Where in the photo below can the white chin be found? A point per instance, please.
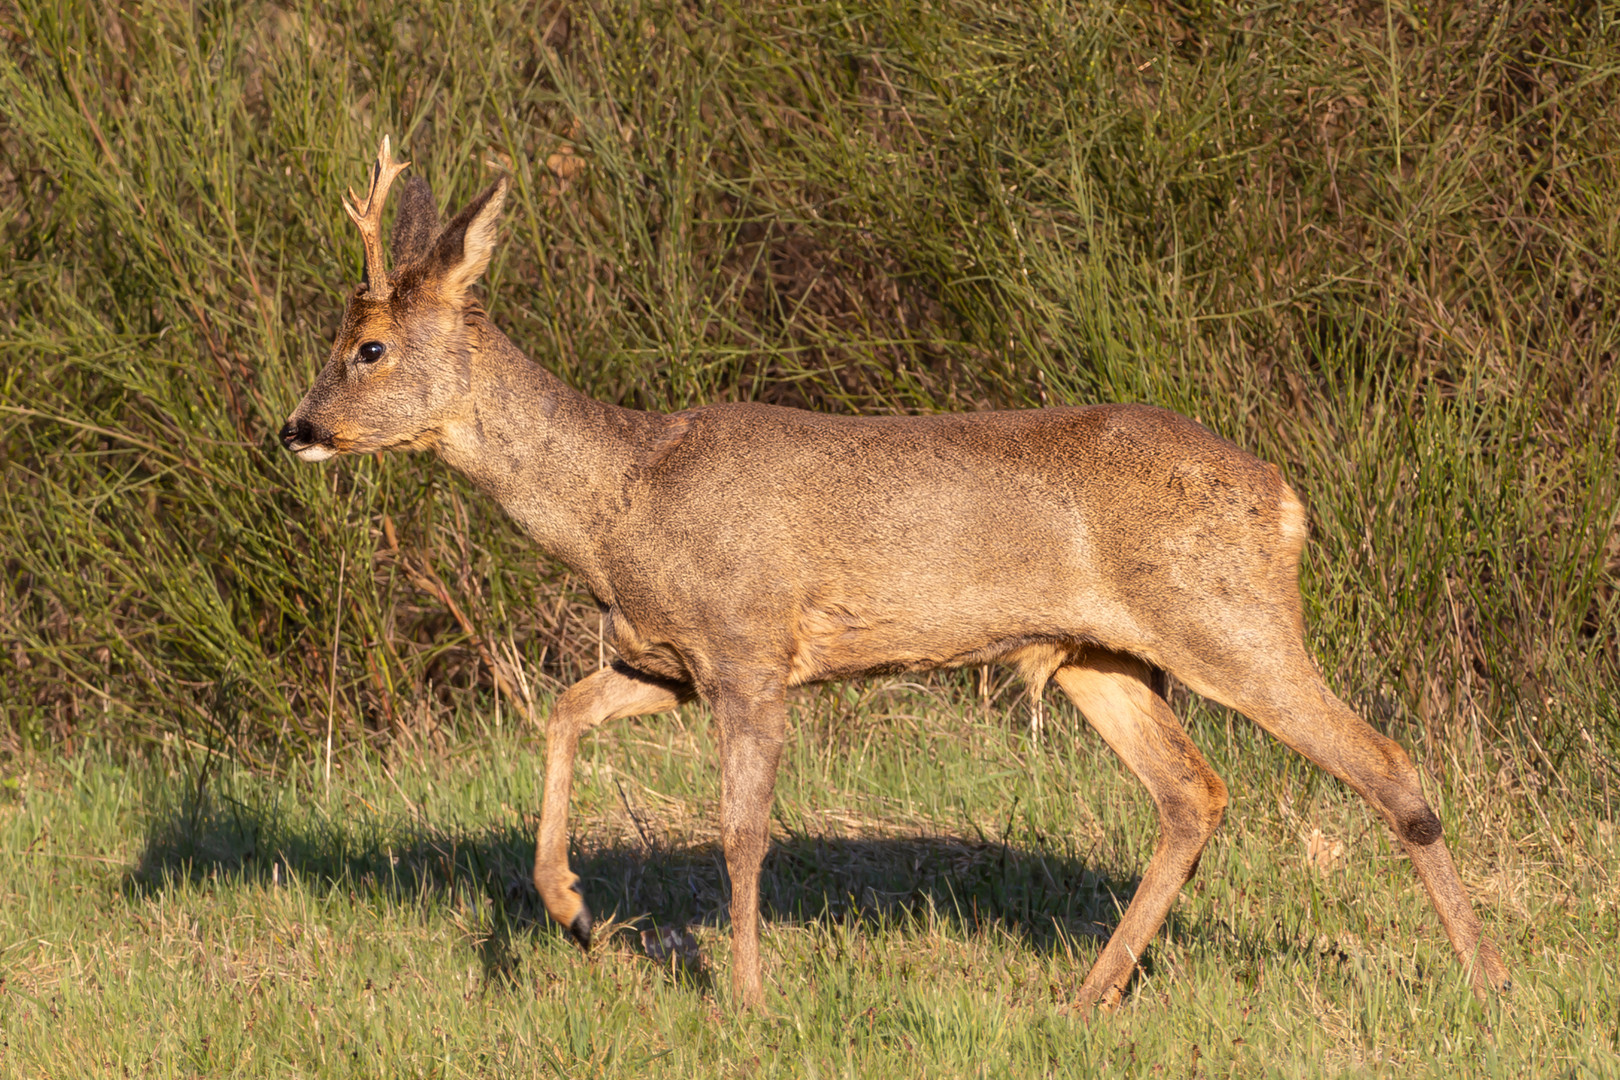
(313, 453)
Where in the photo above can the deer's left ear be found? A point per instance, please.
(462, 251)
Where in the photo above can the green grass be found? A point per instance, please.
(933, 898)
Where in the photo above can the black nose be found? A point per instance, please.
(291, 433)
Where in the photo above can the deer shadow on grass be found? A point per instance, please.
(1047, 899)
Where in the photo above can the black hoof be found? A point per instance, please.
(580, 928)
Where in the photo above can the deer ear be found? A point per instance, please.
(416, 223)
(462, 250)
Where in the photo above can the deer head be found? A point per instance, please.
(400, 366)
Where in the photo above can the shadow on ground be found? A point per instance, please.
(1044, 898)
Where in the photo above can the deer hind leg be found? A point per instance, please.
(1290, 700)
(613, 693)
(1115, 692)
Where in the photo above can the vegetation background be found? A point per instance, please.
(1376, 243)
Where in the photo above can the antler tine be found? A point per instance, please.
(368, 217)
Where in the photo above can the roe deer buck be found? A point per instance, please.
(738, 550)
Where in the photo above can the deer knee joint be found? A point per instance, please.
(1189, 823)
(1198, 812)
(745, 840)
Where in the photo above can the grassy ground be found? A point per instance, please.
(936, 891)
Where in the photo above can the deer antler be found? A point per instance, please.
(368, 216)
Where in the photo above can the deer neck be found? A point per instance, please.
(554, 459)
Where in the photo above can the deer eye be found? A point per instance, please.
(371, 352)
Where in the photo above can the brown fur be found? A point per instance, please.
(738, 550)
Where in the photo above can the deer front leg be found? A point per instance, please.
(752, 728)
(613, 693)
(1116, 696)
